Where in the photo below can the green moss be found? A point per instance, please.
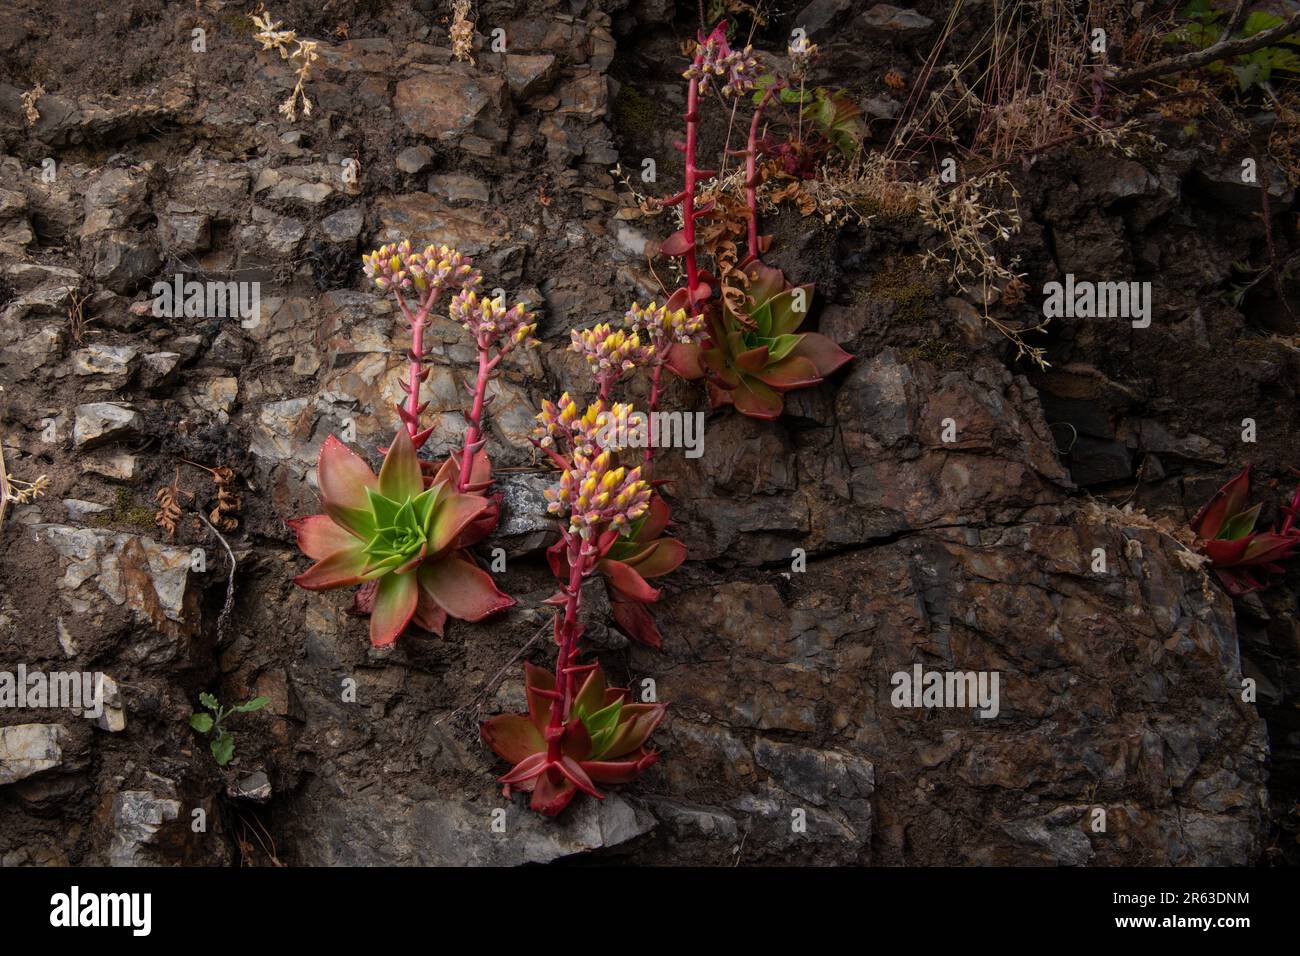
(239, 24)
(126, 511)
(895, 213)
(904, 284)
(634, 112)
(938, 352)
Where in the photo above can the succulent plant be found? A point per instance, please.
(757, 353)
(1226, 531)
(626, 562)
(602, 739)
(401, 537)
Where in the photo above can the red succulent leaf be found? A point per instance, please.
(786, 319)
(526, 770)
(429, 615)
(1224, 553)
(614, 771)
(591, 697)
(319, 536)
(676, 244)
(573, 770)
(343, 479)
(625, 579)
(636, 723)
(684, 361)
(400, 477)
(656, 520)
(678, 300)
(824, 354)
(752, 360)
(512, 737)
(576, 742)
(658, 558)
(632, 618)
(395, 601)
(1268, 547)
(1227, 501)
(552, 792)
(340, 569)
(461, 588)
(793, 371)
(757, 400)
(454, 513)
(538, 681)
(764, 282)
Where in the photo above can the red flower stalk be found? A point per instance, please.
(496, 330)
(757, 244)
(1226, 534)
(426, 275)
(625, 563)
(713, 58)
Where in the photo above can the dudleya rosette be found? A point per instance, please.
(402, 537)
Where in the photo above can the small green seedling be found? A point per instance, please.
(223, 741)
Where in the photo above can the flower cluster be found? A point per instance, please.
(610, 353)
(396, 266)
(598, 496)
(489, 321)
(802, 53)
(663, 327)
(716, 59)
(560, 426)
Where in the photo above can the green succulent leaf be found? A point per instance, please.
(782, 346)
(201, 722)
(602, 726)
(223, 748)
(1239, 525)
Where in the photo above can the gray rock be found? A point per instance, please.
(528, 75)
(99, 568)
(344, 225)
(453, 102)
(897, 22)
(116, 465)
(79, 510)
(27, 749)
(99, 423)
(123, 260)
(113, 719)
(139, 816)
(255, 787)
(366, 831)
(458, 187)
(414, 159)
(821, 14)
(104, 360)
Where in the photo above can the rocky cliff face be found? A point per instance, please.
(829, 551)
